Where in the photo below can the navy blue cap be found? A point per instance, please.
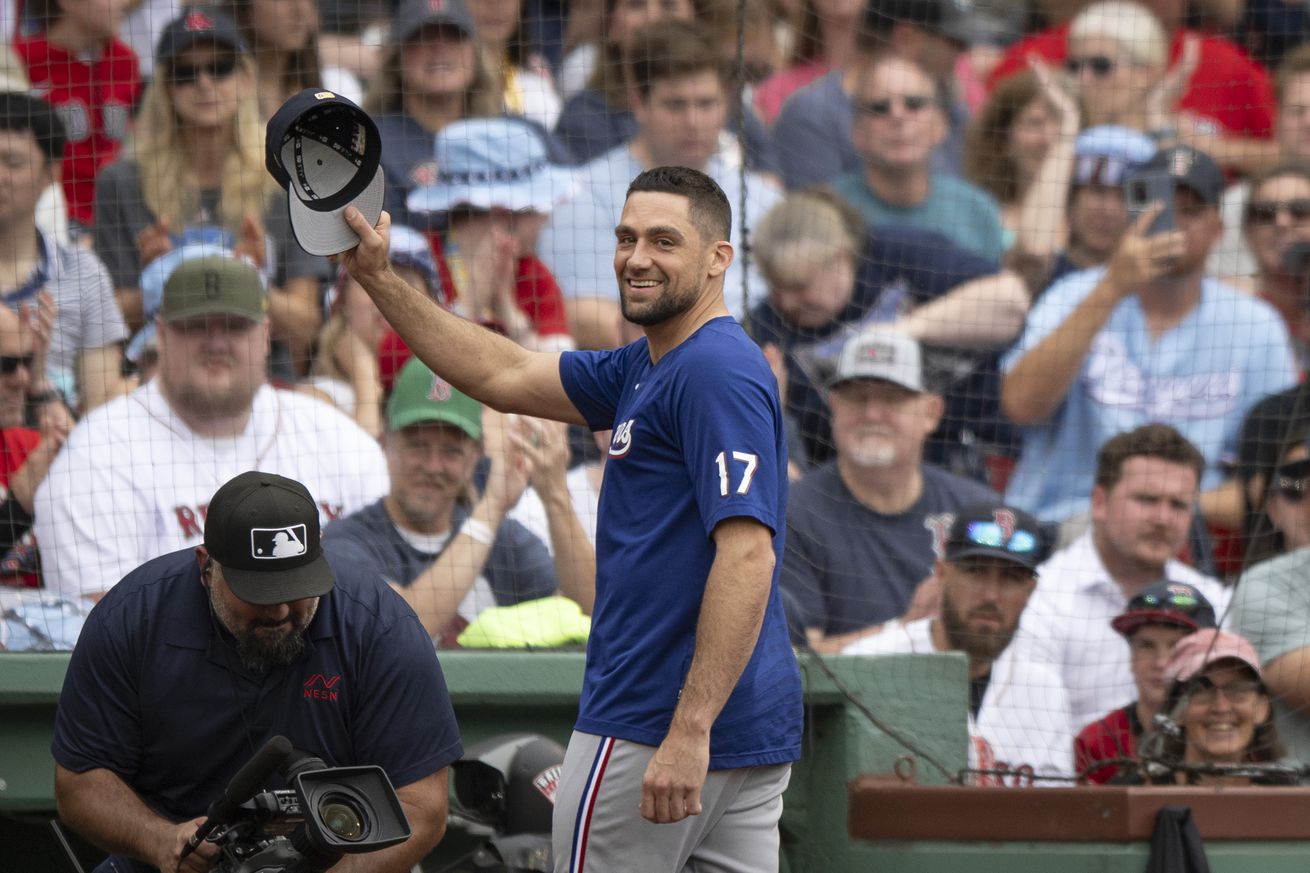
(200, 25)
(326, 152)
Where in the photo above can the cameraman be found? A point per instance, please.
(196, 658)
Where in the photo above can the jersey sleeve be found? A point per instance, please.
(729, 422)
(404, 722)
(594, 381)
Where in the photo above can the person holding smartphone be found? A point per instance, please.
(1147, 338)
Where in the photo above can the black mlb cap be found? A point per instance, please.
(994, 530)
(198, 26)
(263, 530)
(326, 152)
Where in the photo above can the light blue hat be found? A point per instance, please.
(1103, 154)
(492, 163)
(153, 278)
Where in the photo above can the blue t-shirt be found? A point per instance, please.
(698, 439)
(812, 136)
(847, 567)
(900, 269)
(518, 568)
(155, 692)
(1201, 377)
(962, 212)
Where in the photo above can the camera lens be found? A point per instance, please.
(342, 816)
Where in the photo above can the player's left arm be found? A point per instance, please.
(731, 614)
(425, 804)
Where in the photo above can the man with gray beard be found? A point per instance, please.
(1019, 716)
(865, 529)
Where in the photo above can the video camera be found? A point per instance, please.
(326, 813)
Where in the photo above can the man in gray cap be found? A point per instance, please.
(864, 529)
(1148, 338)
(200, 656)
(136, 475)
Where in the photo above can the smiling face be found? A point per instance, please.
(438, 62)
(809, 287)
(1222, 713)
(663, 265)
(430, 464)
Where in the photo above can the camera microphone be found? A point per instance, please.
(243, 786)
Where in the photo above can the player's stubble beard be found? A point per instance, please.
(673, 302)
(258, 652)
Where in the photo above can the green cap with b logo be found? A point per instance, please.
(214, 285)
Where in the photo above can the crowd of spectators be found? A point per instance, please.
(1038, 269)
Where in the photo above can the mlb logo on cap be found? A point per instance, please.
(272, 543)
(326, 152)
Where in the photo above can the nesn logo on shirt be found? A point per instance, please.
(277, 542)
(621, 441)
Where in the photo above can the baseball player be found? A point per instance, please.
(691, 703)
(1019, 717)
(136, 475)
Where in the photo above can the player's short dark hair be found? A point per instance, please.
(21, 113)
(1148, 441)
(709, 208)
(668, 50)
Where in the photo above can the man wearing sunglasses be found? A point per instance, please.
(1019, 718)
(900, 119)
(1148, 338)
(1157, 618)
(1271, 609)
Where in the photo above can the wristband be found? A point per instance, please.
(478, 531)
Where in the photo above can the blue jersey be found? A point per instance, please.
(155, 692)
(698, 438)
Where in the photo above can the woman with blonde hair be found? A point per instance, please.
(194, 171)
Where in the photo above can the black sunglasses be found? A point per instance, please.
(9, 364)
(883, 108)
(1292, 481)
(188, 74)
(993, 536)
(1263, 212)
(1100, 65)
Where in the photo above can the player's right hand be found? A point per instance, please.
(366, 262)
(1141, 259)
(199, 861)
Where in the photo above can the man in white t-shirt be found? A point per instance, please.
(1147, 482)
(1019, 724)
(135, 477)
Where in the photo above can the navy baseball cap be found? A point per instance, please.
(326, 152)
(263, 530)
(198, 26)
(995, 530)
(1169, 603)
(1189, 168)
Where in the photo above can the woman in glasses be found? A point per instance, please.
(194, 172)
(1218, 717)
